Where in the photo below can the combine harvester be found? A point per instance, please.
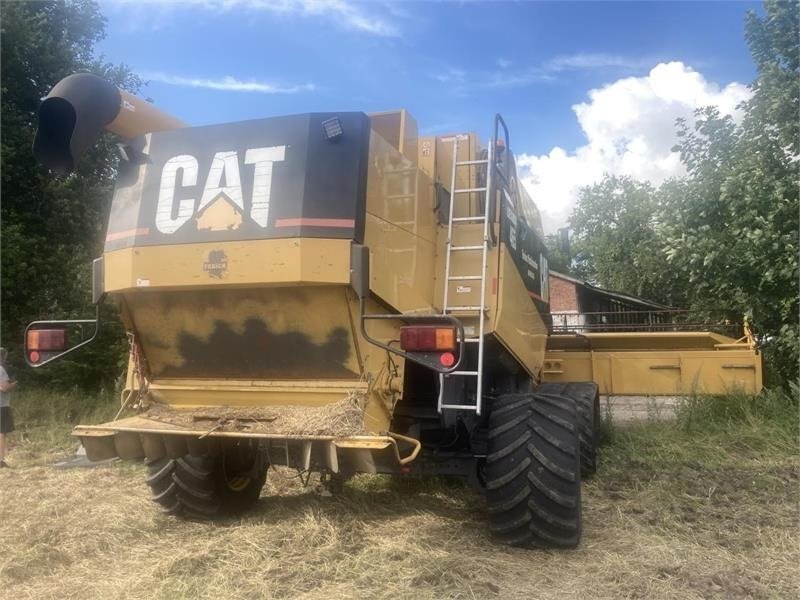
(328, 292)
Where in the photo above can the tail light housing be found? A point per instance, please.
(42, 343)
(50, 340)
(427, 338)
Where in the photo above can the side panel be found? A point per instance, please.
(253, 263)
(400, 229)
(262, 333)
(519, 325)
(658, 373)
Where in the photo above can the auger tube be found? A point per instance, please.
(79, 108)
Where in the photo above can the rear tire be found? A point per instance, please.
(204, 487)
(587, 402)
(533, 481)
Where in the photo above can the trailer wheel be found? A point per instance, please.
(204, 487)
(533, 481)
(587, 401)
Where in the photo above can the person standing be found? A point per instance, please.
(6, 418)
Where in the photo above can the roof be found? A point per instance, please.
(610, 293)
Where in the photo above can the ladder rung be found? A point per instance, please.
(464, 219)
(461, 373)
(472, 340)
(469, 190)
(458, 248)
(464, 277)
(462, 406)
(469, 308)
(472, 162)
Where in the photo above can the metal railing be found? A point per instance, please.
(644, 321)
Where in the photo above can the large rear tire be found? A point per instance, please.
(587, 402)
(204, 487)
(533, 480)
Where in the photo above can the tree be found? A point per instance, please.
(617, 243)
(52, 227)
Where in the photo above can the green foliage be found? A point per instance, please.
(617, 243)
(708, 430)
(52, 227)
(725, 237)
(557, 258)
(44, 417)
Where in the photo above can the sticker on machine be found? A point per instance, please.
(463, 289)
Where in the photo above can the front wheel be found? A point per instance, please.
(533, 474)
(206, 487)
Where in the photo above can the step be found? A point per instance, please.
(461, 373)
(472, 162)
(479, 219)
(469, 190)
(463, 248)
(466, 308)
(460, 406)
(464, 278)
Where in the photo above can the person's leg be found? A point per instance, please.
(2, 447)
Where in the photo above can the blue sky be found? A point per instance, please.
(453, 65)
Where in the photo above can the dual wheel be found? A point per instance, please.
(207, 487)
(540, 444)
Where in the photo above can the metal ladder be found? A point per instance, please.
(479, 310)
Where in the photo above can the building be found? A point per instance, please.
(576, 305)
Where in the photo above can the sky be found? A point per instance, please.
(586, 88)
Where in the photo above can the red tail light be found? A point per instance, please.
(427, 338)
(49, 340)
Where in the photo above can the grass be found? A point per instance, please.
(704, 506)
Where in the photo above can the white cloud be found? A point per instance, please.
(630, 129)
(228, 84)
(155, 14)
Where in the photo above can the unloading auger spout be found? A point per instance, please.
(79, 108)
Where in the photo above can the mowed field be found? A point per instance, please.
(702, 507)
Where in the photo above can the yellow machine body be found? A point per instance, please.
(656, 363)
(301, 287)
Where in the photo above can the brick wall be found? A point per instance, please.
(563, 297)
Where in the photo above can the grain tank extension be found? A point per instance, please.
(329, 292)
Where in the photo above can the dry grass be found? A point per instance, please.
(673, 514)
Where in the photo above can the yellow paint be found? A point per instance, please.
(219, 215)
(250, 263)
(664, 363)
(518, 325)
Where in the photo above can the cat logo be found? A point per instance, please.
(182, 171)
(217, 264)
(220, 215)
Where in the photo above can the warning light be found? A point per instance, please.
(47, 339)
(332, 128)
(427, 338)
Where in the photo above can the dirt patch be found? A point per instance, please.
(339, 419)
